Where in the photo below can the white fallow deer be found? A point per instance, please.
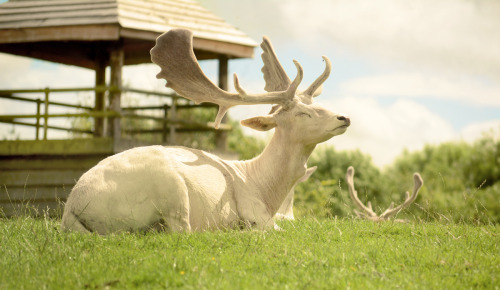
(367, 211)
(183, 189)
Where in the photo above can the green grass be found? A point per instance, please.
(309, 253)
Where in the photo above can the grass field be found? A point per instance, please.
(308, 254)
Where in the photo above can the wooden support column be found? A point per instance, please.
(116, 63)
(38, 103)
(46, 114)
(100, 101)
(221, 136)
(165, 123)
(173, 117)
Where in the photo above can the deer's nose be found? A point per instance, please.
(345, 119)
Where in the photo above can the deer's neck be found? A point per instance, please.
(275, 171)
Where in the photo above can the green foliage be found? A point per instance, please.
(199, 140)
(82, 123)
(461, 182)
(247, 147)
(482, 168)
(309, 253)
(325, 193)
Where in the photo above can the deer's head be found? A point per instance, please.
(294, 112)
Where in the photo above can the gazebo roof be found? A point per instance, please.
(75, 32)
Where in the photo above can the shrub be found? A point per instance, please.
(326, 193)
(461, 182)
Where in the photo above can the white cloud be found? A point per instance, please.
(13, 67)
(41, 74)
(450, 34)
(477, 130)
(384, 131)
(425, 84)
(143, 76)
(450, 38)
(25, 73)
(446, 49)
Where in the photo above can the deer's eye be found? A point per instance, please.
(302, 114)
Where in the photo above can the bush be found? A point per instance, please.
(325, 193)
(247, 147)
(461, 182)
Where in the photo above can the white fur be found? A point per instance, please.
(185, 189)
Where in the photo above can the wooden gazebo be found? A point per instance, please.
(92, 34)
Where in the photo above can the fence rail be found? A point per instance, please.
(170, 123)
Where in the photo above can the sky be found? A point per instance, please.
(407, 73)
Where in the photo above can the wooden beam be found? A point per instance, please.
(91, 32)
(221, 136)
(100, 80)
(223, 72)
(11, 163)
(173, 115)
(135, 34)
(37, 193)
(57, 147)
(79, 53)
(40, 177)
(232, 50)
(83, 53)
(116, 63)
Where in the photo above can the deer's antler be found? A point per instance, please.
(277, 79)
(174, 54)
(317, 86)
(274, 73)
(367, 211)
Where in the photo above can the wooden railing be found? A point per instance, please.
(171, 124)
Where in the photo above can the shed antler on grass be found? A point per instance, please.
(367, 211)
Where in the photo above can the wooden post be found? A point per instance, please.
(165, 123)
(221, 136)
(173, 117)
(46, 114)
(116, 63)
(100, 81)
(38, 103)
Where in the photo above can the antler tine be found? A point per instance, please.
(281, 97)
(317, 86)
(366, 211)
(174, 54)
(274, 73)
(418, 182)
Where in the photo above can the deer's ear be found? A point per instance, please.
(263, 123)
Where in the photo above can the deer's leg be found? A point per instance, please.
(266, 223)
(256, 215)
(174, 211)
(71, 223)
(285, 212)
(178, 222)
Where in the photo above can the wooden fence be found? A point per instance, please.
(168, 117)
(36, 176)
